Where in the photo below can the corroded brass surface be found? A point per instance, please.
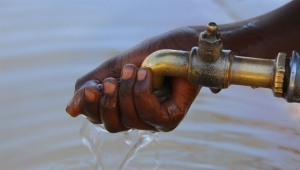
(252, 72)
(279, 74)
(210, 43)
(209, 66)
(208, 74)
(165, 63)
(227, 70)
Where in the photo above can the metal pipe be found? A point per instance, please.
(210, 66)
(252, 72)
(163, 63)
(292, 89)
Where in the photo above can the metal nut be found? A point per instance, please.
(210, 43)
(279, 74)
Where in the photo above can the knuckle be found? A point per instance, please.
(111, 129)
(147, 117)
(124, 93)
(176, 116)
(91, 114)
(167, 129)
(108, 102)
(114, 128)
(127, 122)
(125, 89)
(78, 83)
(112, 65)
(142, 92)
(94, 121)
(137, 92)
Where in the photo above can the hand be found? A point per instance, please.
(130, 103)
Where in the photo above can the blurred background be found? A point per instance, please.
(45, 45)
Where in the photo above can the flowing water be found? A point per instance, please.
(45, 45)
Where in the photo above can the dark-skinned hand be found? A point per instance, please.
(119, 94)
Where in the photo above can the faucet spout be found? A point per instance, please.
(167, 63)
(209, 66)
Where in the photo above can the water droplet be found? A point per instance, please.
(116, 151)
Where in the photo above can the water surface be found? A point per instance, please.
(46, 45)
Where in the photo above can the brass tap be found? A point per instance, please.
(210, 43)
(211, 66)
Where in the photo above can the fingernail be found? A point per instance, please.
(141, 75)
(127, 72)
(69, 110)
(109, 87)
(89, 94)
(72, 111)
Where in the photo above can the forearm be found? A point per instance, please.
(266, 35)
(261, 37)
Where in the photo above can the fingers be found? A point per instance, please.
(105, 107)
(74, 107)
(167, 115)
(85, 101)
(131, 102)
(109, 110)
(183, 93)
(90, 105)
(147, 105)
(129, 117)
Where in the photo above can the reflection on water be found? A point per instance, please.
(221, 131)
(46, 45)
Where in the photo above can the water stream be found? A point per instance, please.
(116, 151)
(46, 45)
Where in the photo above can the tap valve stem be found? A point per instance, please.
(209, 66)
